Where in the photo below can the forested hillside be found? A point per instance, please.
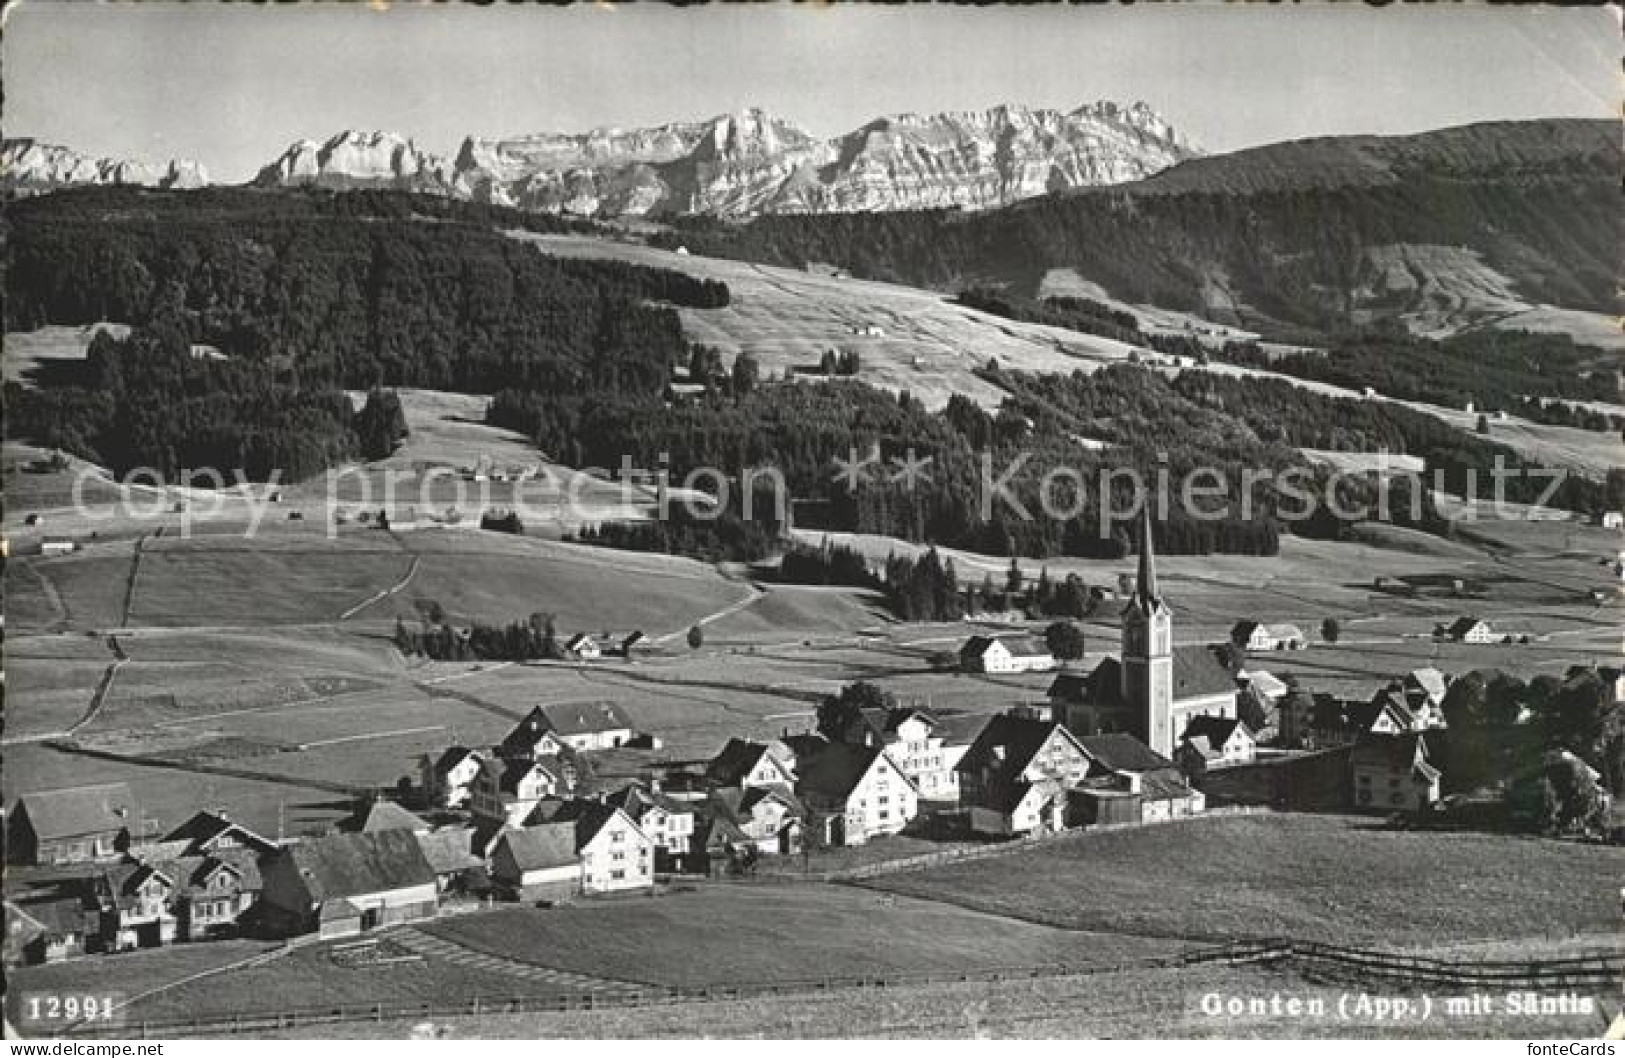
(299, 296)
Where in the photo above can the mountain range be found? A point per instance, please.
(734, 165)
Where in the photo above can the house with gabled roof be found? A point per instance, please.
(448, 780)
(926, 745)
(1217, 741)
(1149, 787)
(582, 726)
(770, 818)
(855, 793)
(1470, 630)
(212, 892)
(1013, 777)
(79, 824)
(1392, 773)
(1256, 636)
(343, 884)
(1002, 654)
(537, 862)
(615, 853)
(206, 833)
(667, 821)
(137, 906)
(506, 791)
(743, 762)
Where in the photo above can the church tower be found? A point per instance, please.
(1148, 646)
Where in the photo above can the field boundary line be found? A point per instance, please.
(398, 586)
(129, 582)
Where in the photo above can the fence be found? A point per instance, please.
(1602, 969)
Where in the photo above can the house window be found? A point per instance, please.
(617, 874)
(617, 837)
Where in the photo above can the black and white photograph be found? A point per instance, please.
(812, 521)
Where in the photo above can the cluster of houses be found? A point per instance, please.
(527, 819)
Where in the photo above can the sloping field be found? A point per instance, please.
(496, 579)
(720, 934)
(788, 612)
(788, 319)
(1333, 878)
(87, 587)
(225, 580)
(32, 354)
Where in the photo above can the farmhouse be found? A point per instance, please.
(211, 893)
(854, 793)
(768, 818)
(135, 902)
(582, 726)
(1217, 741)
(924, 745)
(614, 852)
(1609, 520)
(537, 863)
(1392, 773)
(1154, 689)
(1130, 783)
(51, 547)
(1269, 688)
(1470, 630)
(208, 833)
(343, 884)
(1013, 778)
(81, 824)
(1254, 636)
(995, 654)
(585, 647)
(668, 822)
(744, 763)
(448, 780)
(507, 791)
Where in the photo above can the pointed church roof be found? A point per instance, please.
(1146, 586)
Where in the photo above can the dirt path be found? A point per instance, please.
(756, 595)
(398, 586)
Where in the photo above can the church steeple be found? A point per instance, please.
(1146, 595)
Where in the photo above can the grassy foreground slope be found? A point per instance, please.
(1339, 879)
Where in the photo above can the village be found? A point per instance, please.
(1155, 734)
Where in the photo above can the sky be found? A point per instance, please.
(232, 85)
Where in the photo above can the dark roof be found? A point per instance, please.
(805, 745)
(57, 916)
(204, 827)
(1020, 737)
(736, 760)
(343, 865)
(635, 800)
(1006, 796)
(80, 810)
(583, 718)
(449, 849)
(738, 805)
(515, 770)
(1123, 753)
(538, 847)
(1462, 625)
(835, 772)
(1198, 673)
(1216, 729)
(1389, 751)
(959, 729)
(451, 758)
(588, 816)
(1101, 686)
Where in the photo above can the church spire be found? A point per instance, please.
(1145, 588)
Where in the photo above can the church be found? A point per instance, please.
(1154, 689)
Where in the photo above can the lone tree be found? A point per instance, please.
(1331, 630)
(696, 637)
(1065, 640)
